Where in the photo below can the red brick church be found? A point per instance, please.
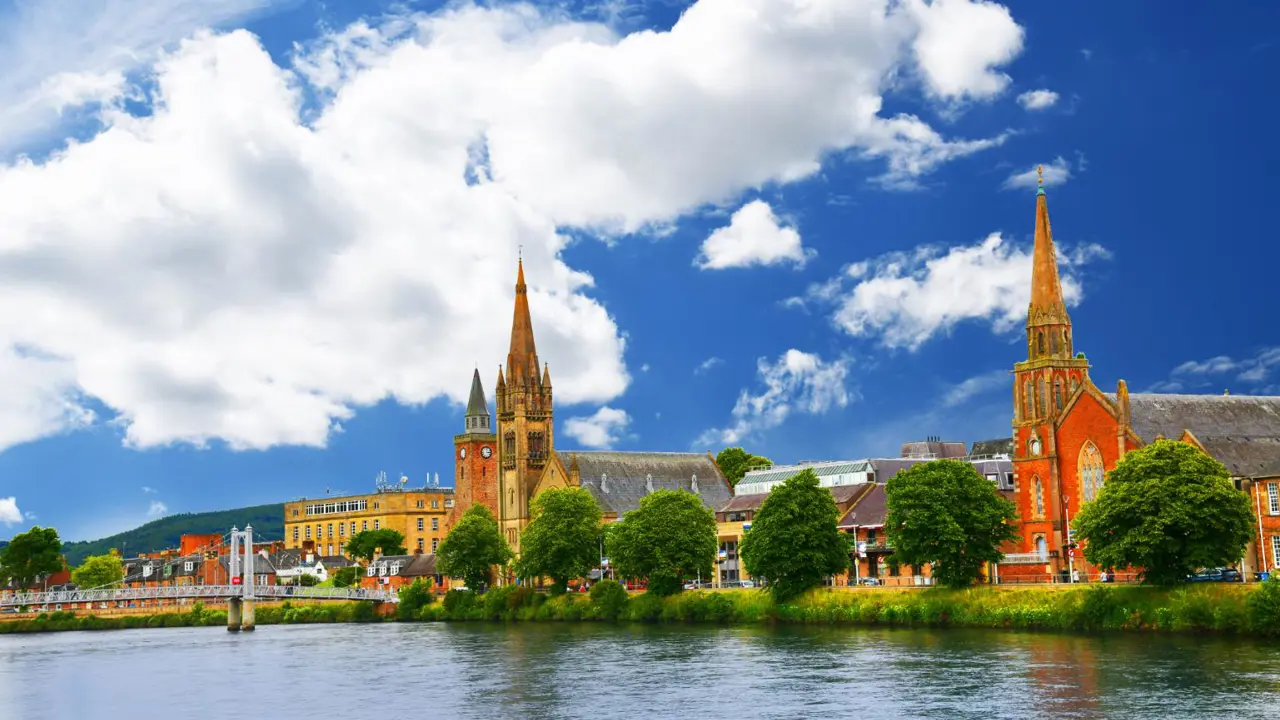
(1067, 433)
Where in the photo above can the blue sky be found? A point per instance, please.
(253, 250)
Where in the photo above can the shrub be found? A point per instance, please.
(412, 599)
(609, 598)
(1264, 607)
(459, 603)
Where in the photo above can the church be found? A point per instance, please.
(1067, 433)
(505, 466)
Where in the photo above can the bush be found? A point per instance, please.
(459, 603)
(412, 599)
(347, 576)
(609, 598)
(308, 580)
(1264, 607)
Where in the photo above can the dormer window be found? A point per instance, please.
(369, 571)
(395, 568)
(648, 483)
(694, 484)
(604, 482)
(188, 566)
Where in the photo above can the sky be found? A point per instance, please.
(253, 250)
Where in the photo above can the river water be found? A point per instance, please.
(400, 672)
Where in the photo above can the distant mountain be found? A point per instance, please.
(162, 534)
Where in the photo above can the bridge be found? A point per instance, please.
(240, 595)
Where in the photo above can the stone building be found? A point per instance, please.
(1067, 433)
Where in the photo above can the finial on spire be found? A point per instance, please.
(1040, 179)
(520, 252)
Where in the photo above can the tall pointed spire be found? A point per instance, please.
(522, 358)
(477, 406)
(1047, 304)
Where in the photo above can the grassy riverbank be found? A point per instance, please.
(1225, 609)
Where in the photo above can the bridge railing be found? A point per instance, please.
(217, 592)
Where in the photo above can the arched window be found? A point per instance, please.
(1042, 397)
(1027, 399)
(1053, 343)
(1037, 487)
(1057, 393)
(1089, 470)
(1040, 343)
(1042, 548)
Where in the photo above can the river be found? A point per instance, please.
(400, 672)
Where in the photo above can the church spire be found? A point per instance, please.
(522, 358)
(477, 419)
(1047, 304)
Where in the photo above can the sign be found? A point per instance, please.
(1071, 552)
(236, 580)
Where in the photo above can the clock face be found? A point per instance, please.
(462, 453)
(486, 451)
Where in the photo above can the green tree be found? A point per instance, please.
(308, 580)
(97, 571)
(734, 463)
(1167, 509)
(368, 543)
(793, 541)
(30, 555)
(670, 538)
(473, 548)
(943, 512)
(413, 598)
(347, 576)
(561, 541)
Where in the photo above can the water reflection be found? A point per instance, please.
(600, 672)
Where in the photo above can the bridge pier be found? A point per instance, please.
(234, 616)
(246, 616)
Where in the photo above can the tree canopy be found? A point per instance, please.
(793, 541)
(734, 462)
(368, 543)
(30, 555)
(1168, 510)
(97, 571)
(562, 539)
(943, 512)
(669, 539)
(348, 576)
(473, 547)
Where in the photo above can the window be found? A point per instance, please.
(420, 503)
(330, 529)
(1273, 497)
(435, 543)
(308, 532)
(420, 524)
(342, 529)
(353, 527)
(435, 523)
(1042, 548)
(1057, 393)
(435, 504)
(330, 553)
(1042, 397)
(1053, 343)
(295, 533)
(421, 544)
(1089, 470)
(188, 566)
(1038, 487)
(1040, 343)
(364, 525)
(1275, 551)
(1026, 399)
(376, 524)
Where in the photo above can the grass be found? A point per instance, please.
(1202, 608)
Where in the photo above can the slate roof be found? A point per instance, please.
(410, 565)
(618, 480)
(823, 469)
(869, 512)
(842, 494)
(1241, 431)
(999, 446)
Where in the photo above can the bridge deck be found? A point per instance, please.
(216, 592)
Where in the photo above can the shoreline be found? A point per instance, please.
(1225, 610)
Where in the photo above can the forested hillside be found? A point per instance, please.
(267, 521)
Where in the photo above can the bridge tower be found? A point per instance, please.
(240, 609)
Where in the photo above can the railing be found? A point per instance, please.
(1031, 558)
(261, 592)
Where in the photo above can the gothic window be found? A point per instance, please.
(1026, 399)
(1042, 397)
(511, 500)
(1057, 393)
(509, 445)
(1089, 470)
(1042, 548)
(1038, 488)
(1053, 343)
(1039, 344)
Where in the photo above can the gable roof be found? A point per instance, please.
(1241, 431)
(842, 494)
(618, 480)
(869, 512)
(410, 565)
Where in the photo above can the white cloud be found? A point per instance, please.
(976, 386)
(237, 266)
(157, 509)
(796, 382)
(148, 490)
(62, 53)
(960, 44)
(1087, 53)
(907, 298)
(1055, 173)
(707, 365)
(9, 512)
(753, 237)
(1032, 100)
(1199, 374)
(602, 430)
(644, 367)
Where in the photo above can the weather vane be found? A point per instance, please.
(1040, 175)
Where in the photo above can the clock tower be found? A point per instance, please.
(475, 457)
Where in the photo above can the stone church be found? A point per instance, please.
(505, 467)
(1067, 433)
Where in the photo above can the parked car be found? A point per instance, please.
(1216, 575)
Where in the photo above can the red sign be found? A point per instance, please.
(1071, 552)
(236, 580)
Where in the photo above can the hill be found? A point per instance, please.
(267, 521)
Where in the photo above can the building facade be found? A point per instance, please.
(1067, 434)
(323, 526)
(475, 457)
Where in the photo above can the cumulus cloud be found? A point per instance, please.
(9, 512)
(707, 365)
(905, 298)
(602, 430)
(1253, 372)
(1038, 99)
(1057, 172)
(796, 382)
(976, 386)
(753, 237)
(246, 265)
(157, 509)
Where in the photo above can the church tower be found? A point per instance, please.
(524, 420)
(1043, 385)
(475, 457)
